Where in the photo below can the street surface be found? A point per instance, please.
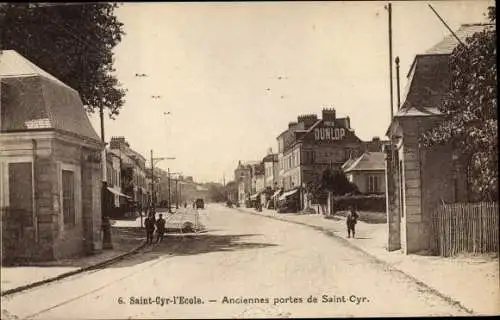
(267, 268)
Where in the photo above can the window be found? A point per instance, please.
(21, 192)
(68, 188)
(373, 184)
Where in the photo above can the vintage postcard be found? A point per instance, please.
(185, 160)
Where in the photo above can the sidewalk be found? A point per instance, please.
(471, 281)
(126, 237)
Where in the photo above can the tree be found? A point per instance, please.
(336, 182)
(72, 42)
(470, 109)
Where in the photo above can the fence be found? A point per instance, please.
(465, 228)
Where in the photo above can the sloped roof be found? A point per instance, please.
(368, 161)
(448, 44)
(33, 99)
(12, 64)
(429, 75)
(272, 157)
(348, 163)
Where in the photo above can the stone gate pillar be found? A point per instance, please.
(391, 191)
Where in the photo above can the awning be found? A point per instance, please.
(287, 194)
(118, 193)
(254, 196)
(276, 194)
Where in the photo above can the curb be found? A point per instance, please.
(329, 233)
(71, 273)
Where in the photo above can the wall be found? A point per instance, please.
(21, 242)
(360, 179)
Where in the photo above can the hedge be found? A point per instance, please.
(370, 202)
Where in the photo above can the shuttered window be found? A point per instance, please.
(21, 192)
(68, 186)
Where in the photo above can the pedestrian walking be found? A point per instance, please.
(352, 219)
(149, 223)
(160, 228)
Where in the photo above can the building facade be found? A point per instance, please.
(243, 175)
(134, 182)
(310, 146)
(418, 178)
(50, 167)
(367, 172)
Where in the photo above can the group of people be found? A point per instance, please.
(151, 224)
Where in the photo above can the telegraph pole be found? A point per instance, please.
(389, 9)
(169, 204)
(176, 194)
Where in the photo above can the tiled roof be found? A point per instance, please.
(348, 163)
(368, 161)
(12, 64)
(448, 44)
(429, 76)
(33, 99)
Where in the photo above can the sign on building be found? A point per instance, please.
(329, 133)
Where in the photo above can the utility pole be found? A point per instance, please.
(151, 204)
(169, 204)
(106, 224)
(389, 9)
(176, 194)
(446, 25)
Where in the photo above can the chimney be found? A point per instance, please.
(291, 125)
(116, 142)
(307, 119)
(376, 139)
(328, 114)
(348, 122)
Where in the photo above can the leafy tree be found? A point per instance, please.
(73, 42)
(336, 182)
(470, 109)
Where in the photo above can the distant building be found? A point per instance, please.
(133, 174)
(114, 185)
(271, 170)
(243, 176)
(50, 166)
(367, 172)
(311, 145)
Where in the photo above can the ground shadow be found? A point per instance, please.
(178, 244)
(175, 243)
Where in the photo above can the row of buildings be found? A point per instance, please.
(52, 169)
(306, 148)
(416, 180)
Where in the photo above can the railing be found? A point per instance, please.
(465, 228)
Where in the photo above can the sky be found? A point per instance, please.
(233, 75)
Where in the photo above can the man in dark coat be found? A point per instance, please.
(149, 224)
(160, 228)
(351, 220)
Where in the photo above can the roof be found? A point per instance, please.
(448, 44)
(32, 99)
(12, 64)
(429, 76)
(273, 157)
(368, 161)
(348, 163)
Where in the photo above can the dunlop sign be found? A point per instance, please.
(329, 133)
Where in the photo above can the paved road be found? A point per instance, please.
(276, 266)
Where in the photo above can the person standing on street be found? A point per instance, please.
(352, 219)
(160, 228)
(149, 223)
